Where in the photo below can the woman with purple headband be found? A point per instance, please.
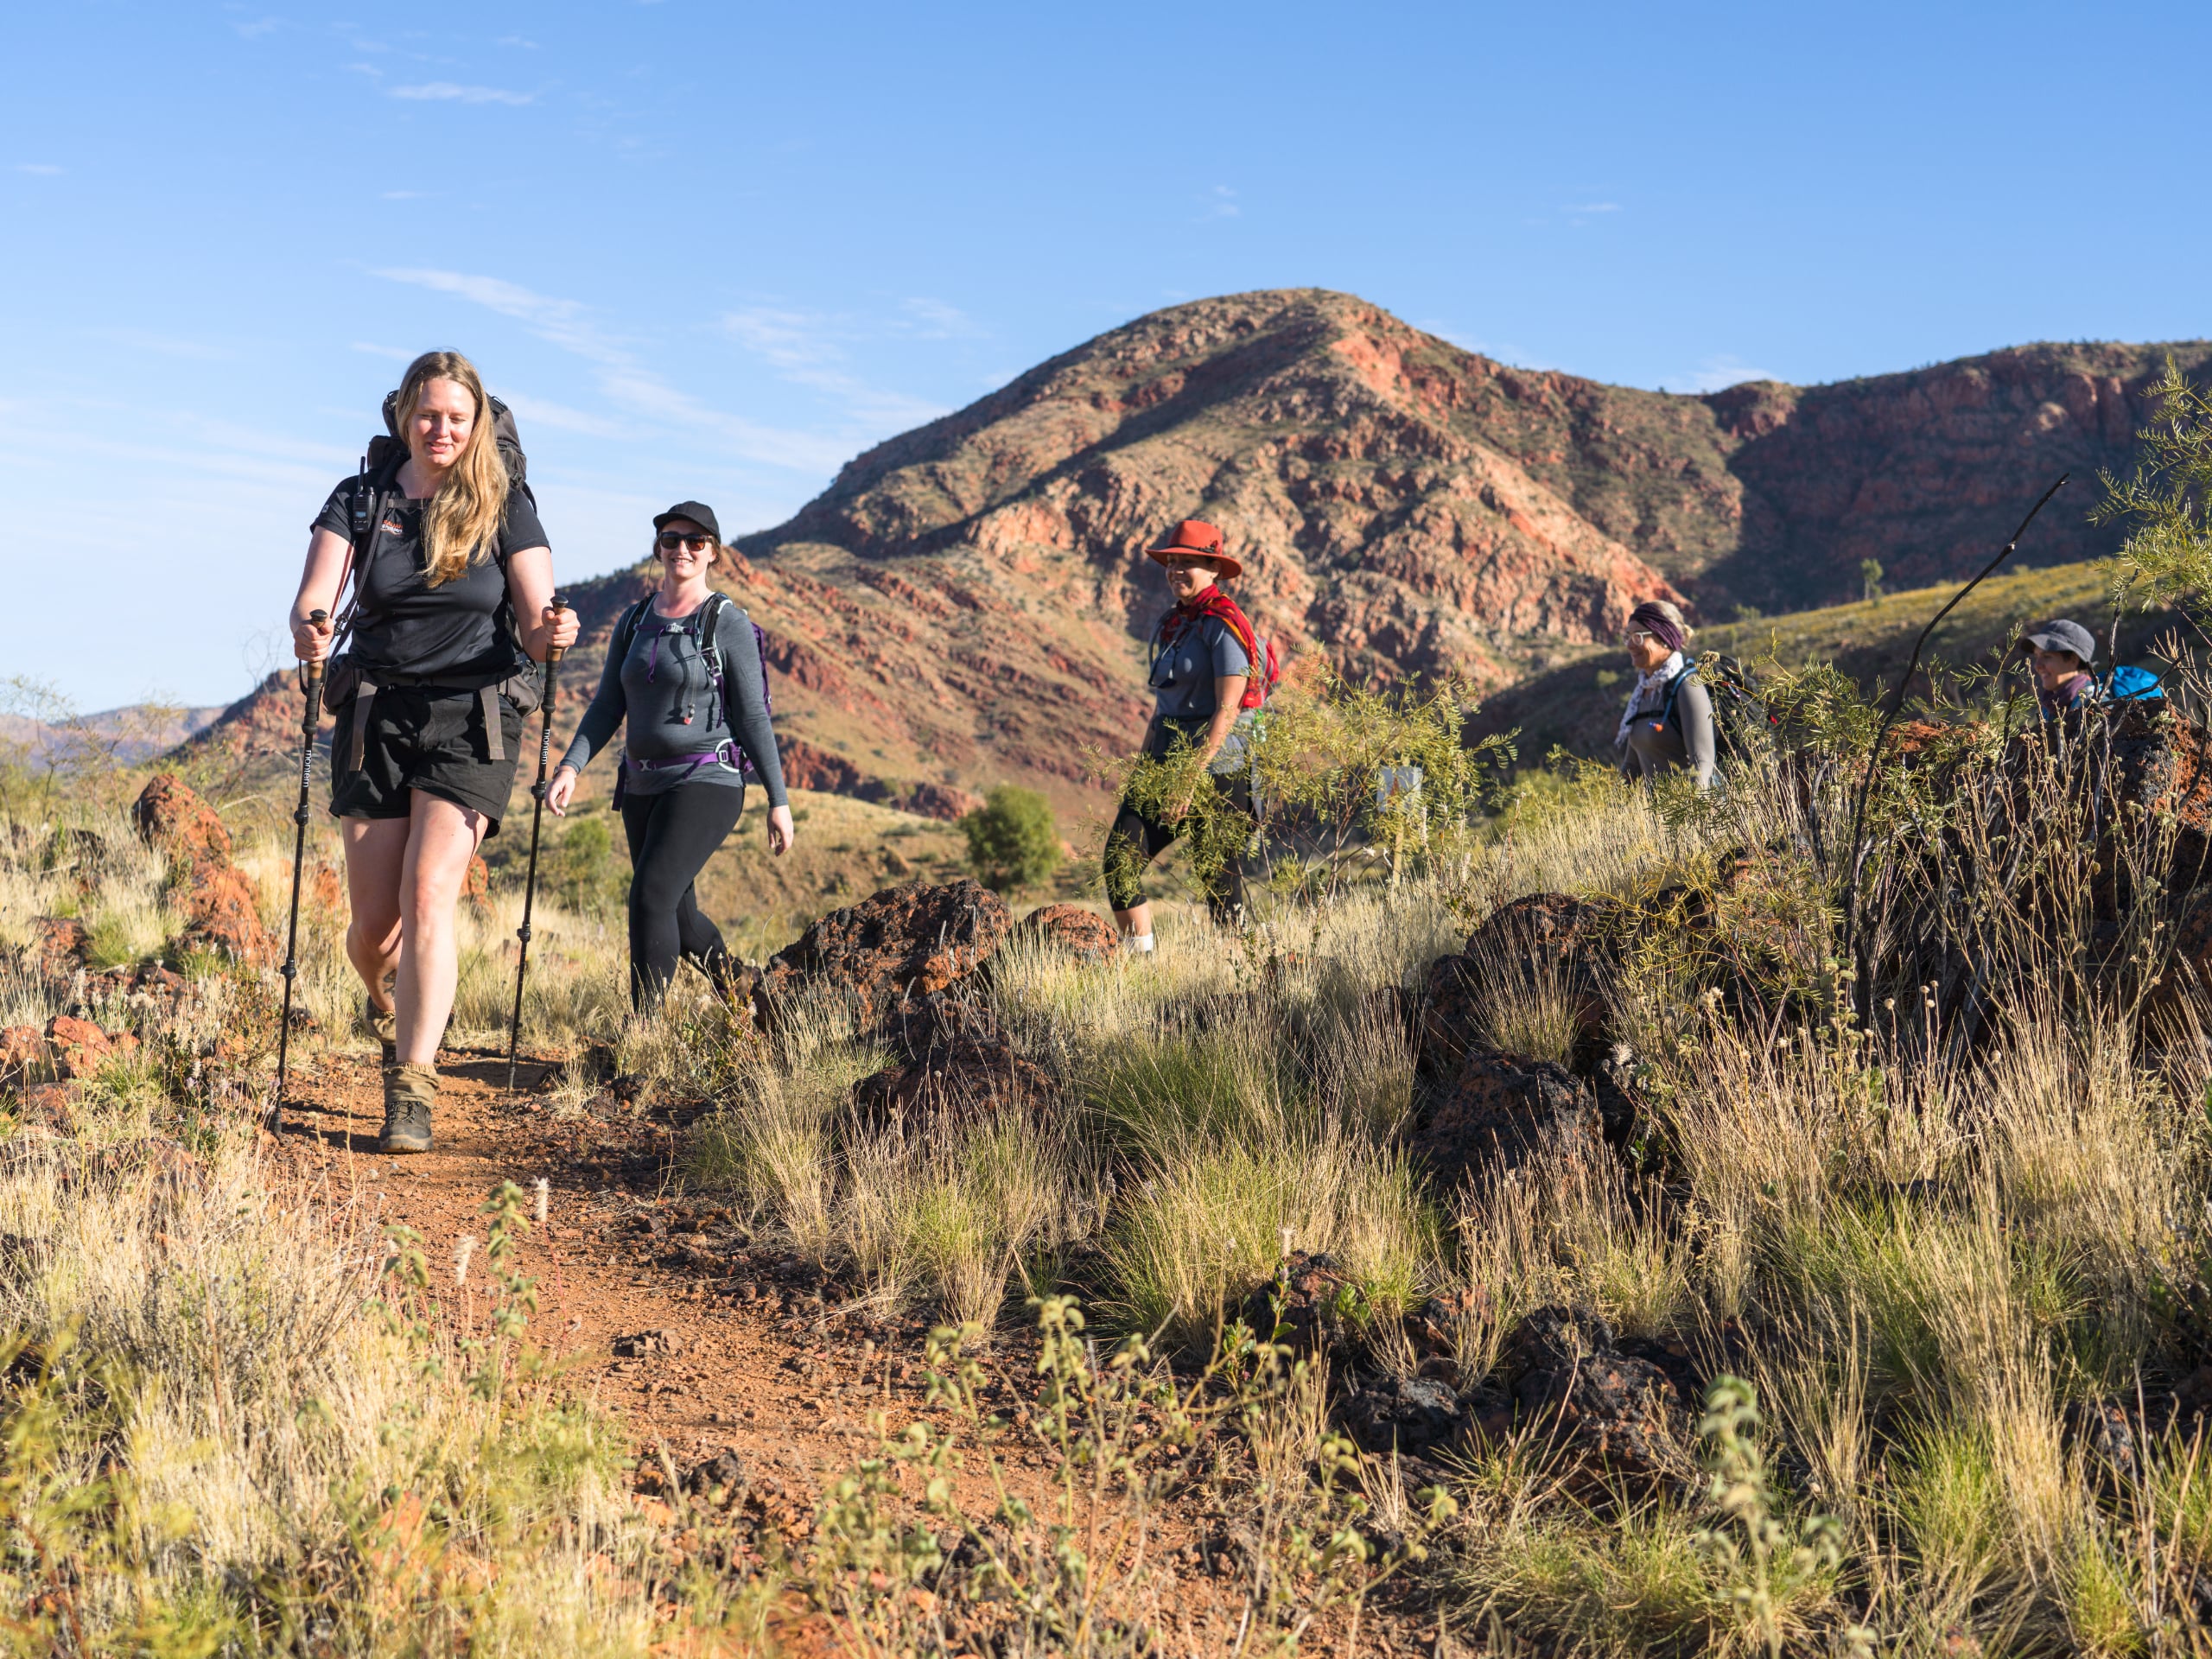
(686, 678)
(1667, 724)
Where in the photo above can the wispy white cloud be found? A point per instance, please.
(1222, 204)
(449, 92)
(395, 353)
(518, 42)
(41, 169)
(543, 411)
(255, 29)
(625, 383)
(402, 196)
(789, 340)
(935, 320)
(1593, 208)
(805, 348)
(1717, 374)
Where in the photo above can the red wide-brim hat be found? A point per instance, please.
(1196, 535)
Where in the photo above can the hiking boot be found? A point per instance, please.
(410, 1092)
(383, 1024)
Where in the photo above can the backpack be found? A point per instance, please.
(2130, 685)
(626, 631)
(1741, 725)
(1269, 675)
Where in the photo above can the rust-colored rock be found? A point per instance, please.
(79, 1046)
(221, 910)
(1081, 932)
(327, 886)
(51, 1106)
(1498, 1111)
(60, 945)
(23, 1049)
(477, 889)
(883, 954)
(170, 817)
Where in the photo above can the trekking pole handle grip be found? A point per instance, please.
(553, 652)
(314, 669)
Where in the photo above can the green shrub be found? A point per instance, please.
(1012, 839)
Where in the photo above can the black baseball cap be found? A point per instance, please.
(698, 511)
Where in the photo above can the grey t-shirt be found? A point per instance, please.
(661, 686)
(1182, 682)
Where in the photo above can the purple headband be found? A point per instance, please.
(1656, 622)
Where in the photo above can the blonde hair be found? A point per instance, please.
(463, 516)
(1672, 612)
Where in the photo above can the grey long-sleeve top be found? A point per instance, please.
(1657, 745)
(662, 682)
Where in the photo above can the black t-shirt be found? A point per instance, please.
(461, 633)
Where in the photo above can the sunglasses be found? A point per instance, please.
(1639, 637)
(670, 540)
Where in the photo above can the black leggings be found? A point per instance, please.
(1135, 840)
(672, 834)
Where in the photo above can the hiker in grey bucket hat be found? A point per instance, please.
(2060, 652)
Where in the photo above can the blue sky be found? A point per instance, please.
(716, 249)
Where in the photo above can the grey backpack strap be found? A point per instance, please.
(710, 620)
(488, 698)
(356, 745)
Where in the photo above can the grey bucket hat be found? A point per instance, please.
(2060, 634)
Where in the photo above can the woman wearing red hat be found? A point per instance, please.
(1207, 668)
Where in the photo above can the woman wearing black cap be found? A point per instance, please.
(1668, 725)
(684, 668)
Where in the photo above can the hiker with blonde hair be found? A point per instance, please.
(451, 609)
(1667, 725)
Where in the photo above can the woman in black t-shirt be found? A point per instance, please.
(452, 589)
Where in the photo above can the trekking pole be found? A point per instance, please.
(308, 721)
(1859, 848)
(537, 816)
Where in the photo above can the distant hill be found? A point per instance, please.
(129, 735)
(964, 605)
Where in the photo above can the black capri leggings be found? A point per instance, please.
(672, 834)
(1135, 840)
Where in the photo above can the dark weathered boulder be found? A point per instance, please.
(1312, 1304)
(881, 955)
(955, 1069)
(1498, 1112)
(1408, 1414)
(1573, 942)
(1608, 1410)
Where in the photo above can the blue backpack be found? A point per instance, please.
(2132, 685)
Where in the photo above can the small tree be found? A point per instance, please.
(1012, 841)
(1870, 578)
